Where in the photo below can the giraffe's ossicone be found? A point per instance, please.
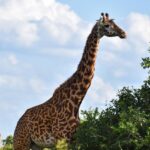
(57, 118)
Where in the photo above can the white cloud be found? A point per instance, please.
(119, 73)
(115, 43)
(37, 85)
(100, 93)
(8, 60)
(13, 60)
(17, 83)
(139, 26)
(27, 18)
(139, 31)
(108, 56)
(27, 33)
(63, 52)
(11, 81)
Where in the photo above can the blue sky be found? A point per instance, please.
(41, 43)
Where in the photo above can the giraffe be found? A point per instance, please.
(57, 118)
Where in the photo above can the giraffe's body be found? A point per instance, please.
(57, 118)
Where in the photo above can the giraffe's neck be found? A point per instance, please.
(86, 66)
(75, 88)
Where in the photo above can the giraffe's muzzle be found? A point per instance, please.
(123, 35)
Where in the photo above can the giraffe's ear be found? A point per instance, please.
(107, 16)
(103, 17)
(102, 14)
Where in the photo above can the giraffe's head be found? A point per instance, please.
(107, 27)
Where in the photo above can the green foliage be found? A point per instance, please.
(87, 136)
(8, 143)
(8, 140)
(62, 145)
(146, 62)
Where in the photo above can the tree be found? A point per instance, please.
(8, 143)
(8, 140)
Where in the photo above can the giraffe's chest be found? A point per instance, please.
(45, 140)
(65, 128)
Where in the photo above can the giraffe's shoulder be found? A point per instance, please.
(34, 109)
